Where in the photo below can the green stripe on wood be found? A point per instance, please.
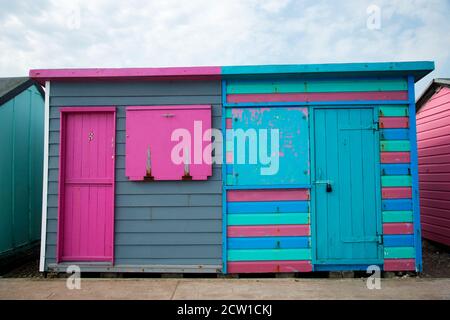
(267, 218)
(289, 86)
(269, 254)
(228, 113)
(399, 252)
(397, 216)
(393, 111)
(229, 147)
(230, 179)
(396, 181)
(395, 145)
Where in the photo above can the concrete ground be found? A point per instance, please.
(213, 289)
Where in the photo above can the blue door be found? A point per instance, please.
(347, 187)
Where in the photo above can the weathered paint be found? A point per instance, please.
(267, 195)
(269, 231)
(396, 193)
(399, 265)
(395, 157)
(398, 228)
(150, 142)
(346, 215)
(269, 266)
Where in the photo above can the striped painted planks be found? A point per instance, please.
(395, 169)
(397, 216)
(399, 265)
(398, 240)
(398, 228)
(394, 122)
(395, 157)
(317, 97)
(393, 111)
(396, 181)
(399, 252)
(269, 266)
(267, 207)
(254, 219)
(229, 123)
(269, 243)
(269, 254)
(395, 145)
(302, 86)
(396, 193)
(267, 195)
(268, 231)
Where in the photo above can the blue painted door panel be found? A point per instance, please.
(346, 157)
(293, 151)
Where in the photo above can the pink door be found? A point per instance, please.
(86, 202)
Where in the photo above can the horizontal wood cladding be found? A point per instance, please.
(156, 223)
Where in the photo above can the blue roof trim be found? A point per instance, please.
(417, 69)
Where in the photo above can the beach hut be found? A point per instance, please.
(238, 169)
(433, 139)
(21, 164)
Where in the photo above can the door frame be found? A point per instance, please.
(64, 112)
(347, 263)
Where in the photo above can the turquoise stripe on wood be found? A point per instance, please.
(395, 145)
(393, 111)
(399, 252)
(254, 219)
(396, 181)
(397, 216)
(290, 86)
(230, 179)
(228, 113)
(268, 254)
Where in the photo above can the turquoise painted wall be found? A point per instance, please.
(21, 161)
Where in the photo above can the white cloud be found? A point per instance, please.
(48, 33)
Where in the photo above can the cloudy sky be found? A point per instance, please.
(134, 33)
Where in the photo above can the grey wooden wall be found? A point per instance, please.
(156, 223)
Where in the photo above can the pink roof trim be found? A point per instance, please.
(105, 73)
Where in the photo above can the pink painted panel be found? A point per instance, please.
(269, 266)
(396, 193)
(395, 157)
(323, 96)
(268, 195)
(86, 209)
(398, 228)
(394, 122)
(399, 265)
(151, 134)
(268, 230)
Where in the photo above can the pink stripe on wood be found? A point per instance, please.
(229, 123)
(395, 157)
(399, 265)
(316, 96)
(268, 195)
(269, 230)
(394, 122)
(44, 74)
(396, 193)
(398, 228)
(269, 266)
